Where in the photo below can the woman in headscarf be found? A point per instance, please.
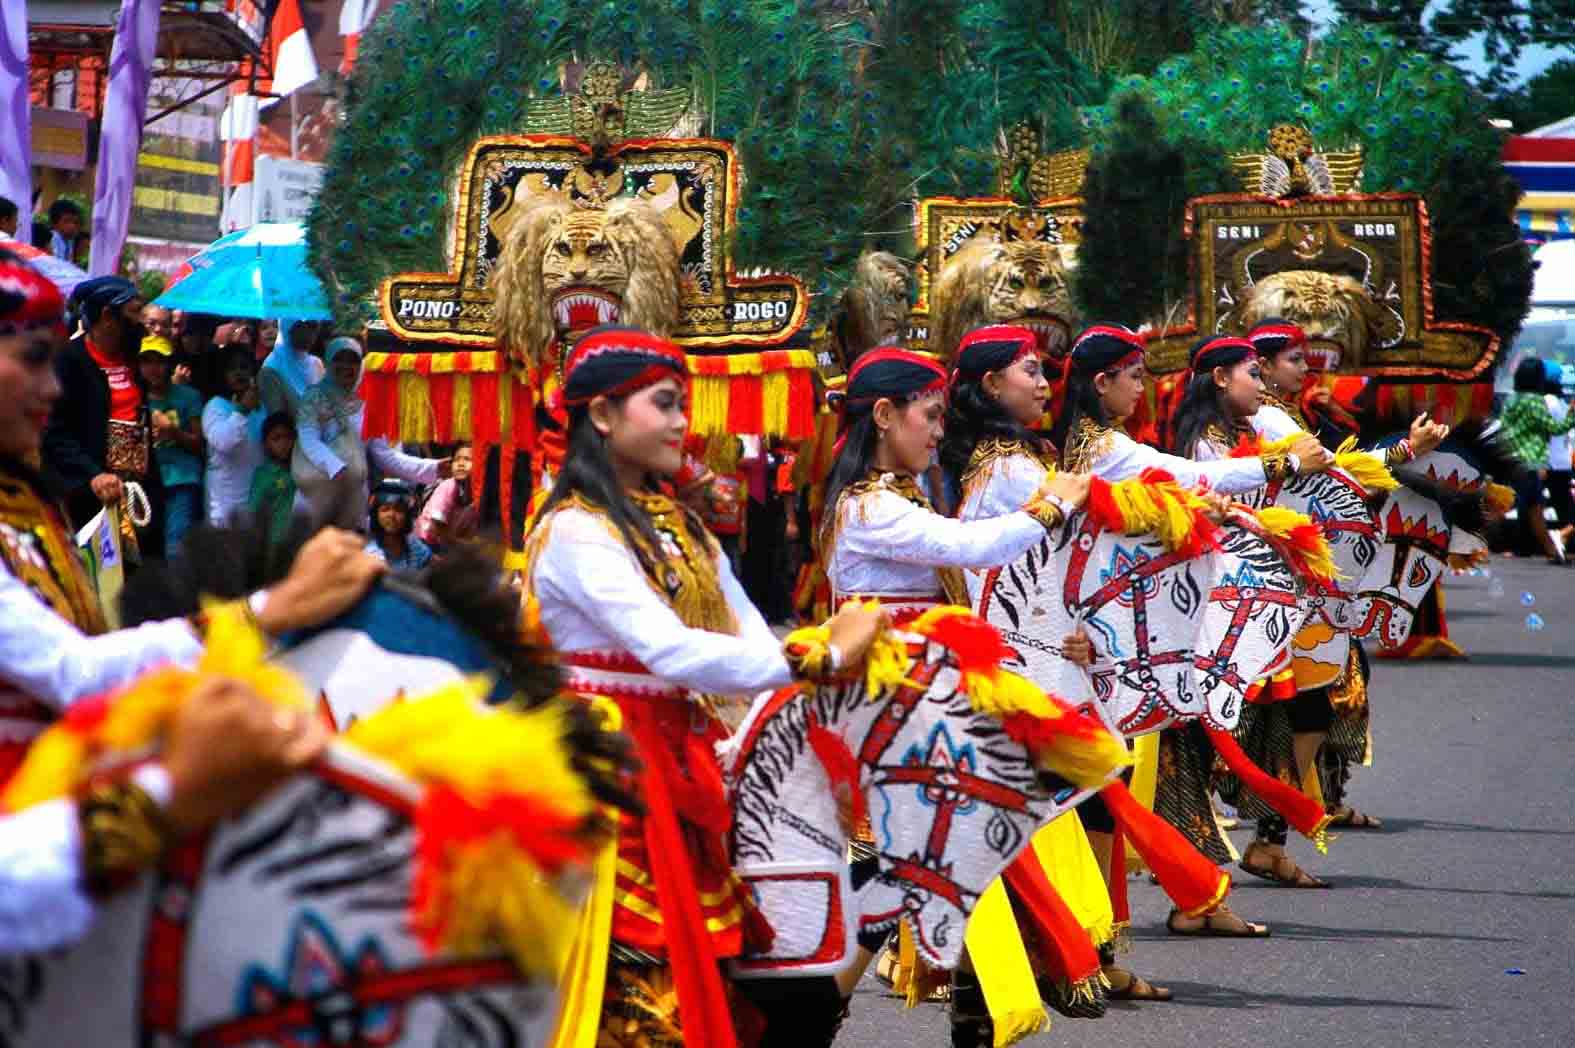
(643, 606)
(331, 460)
(290, 369)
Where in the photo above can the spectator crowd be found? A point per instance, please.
(179, 420)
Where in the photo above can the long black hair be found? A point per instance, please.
(588, 472)
(1199, 409)
(855, 460)
(1082, 401)
(972, 415)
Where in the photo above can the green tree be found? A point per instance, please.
(1422, 128)
(1503, 27)
(1542, 100)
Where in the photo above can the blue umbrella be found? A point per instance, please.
(259, 272)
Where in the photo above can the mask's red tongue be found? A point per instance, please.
(584, 315)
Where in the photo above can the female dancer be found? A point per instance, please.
(1313, 718)
(645, 611)
(1224, 393)
(879, 534)
(881, 537)
(1104, 387)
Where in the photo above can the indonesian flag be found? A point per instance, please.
(294, 65)
(238, 132)
(354, 17)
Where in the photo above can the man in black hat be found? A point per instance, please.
(97, 435)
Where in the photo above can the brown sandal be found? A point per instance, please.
(1277, 871)
(1137, 989)
(1222, 923)
(1351, 819)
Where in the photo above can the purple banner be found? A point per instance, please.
(120, 135)
(16, 127)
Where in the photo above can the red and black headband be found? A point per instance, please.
(1276, 336)
(1221, 351)
(1106, 347)
(29, 301)
(891, 372)
(614, 361)
(992, 348)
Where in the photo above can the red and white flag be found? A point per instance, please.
(294, 64)
(354, 17)
(238, 132)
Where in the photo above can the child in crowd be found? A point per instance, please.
(175, 414)
(393, 517)
(272, 496)
(452, 513)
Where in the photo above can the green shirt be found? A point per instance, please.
(1527, 426)
(272, 498)
(178, 466)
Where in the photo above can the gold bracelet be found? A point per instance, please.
(1276, 466)
(124, 832)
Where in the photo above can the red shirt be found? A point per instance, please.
(125, 398)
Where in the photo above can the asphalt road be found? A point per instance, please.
(1454, 925)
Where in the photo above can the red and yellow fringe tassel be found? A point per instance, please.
(1154, 504)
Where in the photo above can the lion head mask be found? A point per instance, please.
(564, 269)
(1340, 317)
(988, 282)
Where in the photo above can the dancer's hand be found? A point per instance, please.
(1070, 488)
(1426, 434)
(329, 575)
(227, 747)
(853, 630)
(1077, 649)
(1312, 455)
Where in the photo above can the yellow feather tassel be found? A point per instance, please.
(1365, 468)
(1317, 556)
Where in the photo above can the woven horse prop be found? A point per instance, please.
(1182, 626)
(953, 793)
(326, 912)
(1337, 500)
(1186, 615)
(1434, 519)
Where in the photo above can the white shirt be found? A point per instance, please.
(595, 597)
(1274, 423)
(1122, 458)
(1003, 486)
(888, 546)
(234, 453)
(42, 904)
(1558, 446)
(47, 658)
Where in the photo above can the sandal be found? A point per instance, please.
(1137, 989)
(1351, 819)
(1276, 871)
(1222, 923)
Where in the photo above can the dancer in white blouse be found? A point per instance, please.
(637, 597)
(879, 535)
(1104, 388)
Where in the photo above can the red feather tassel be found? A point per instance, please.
(1248, 446)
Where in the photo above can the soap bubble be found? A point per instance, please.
(1528, 599)
(1534, 623)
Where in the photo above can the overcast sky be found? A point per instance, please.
(1533, 60)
